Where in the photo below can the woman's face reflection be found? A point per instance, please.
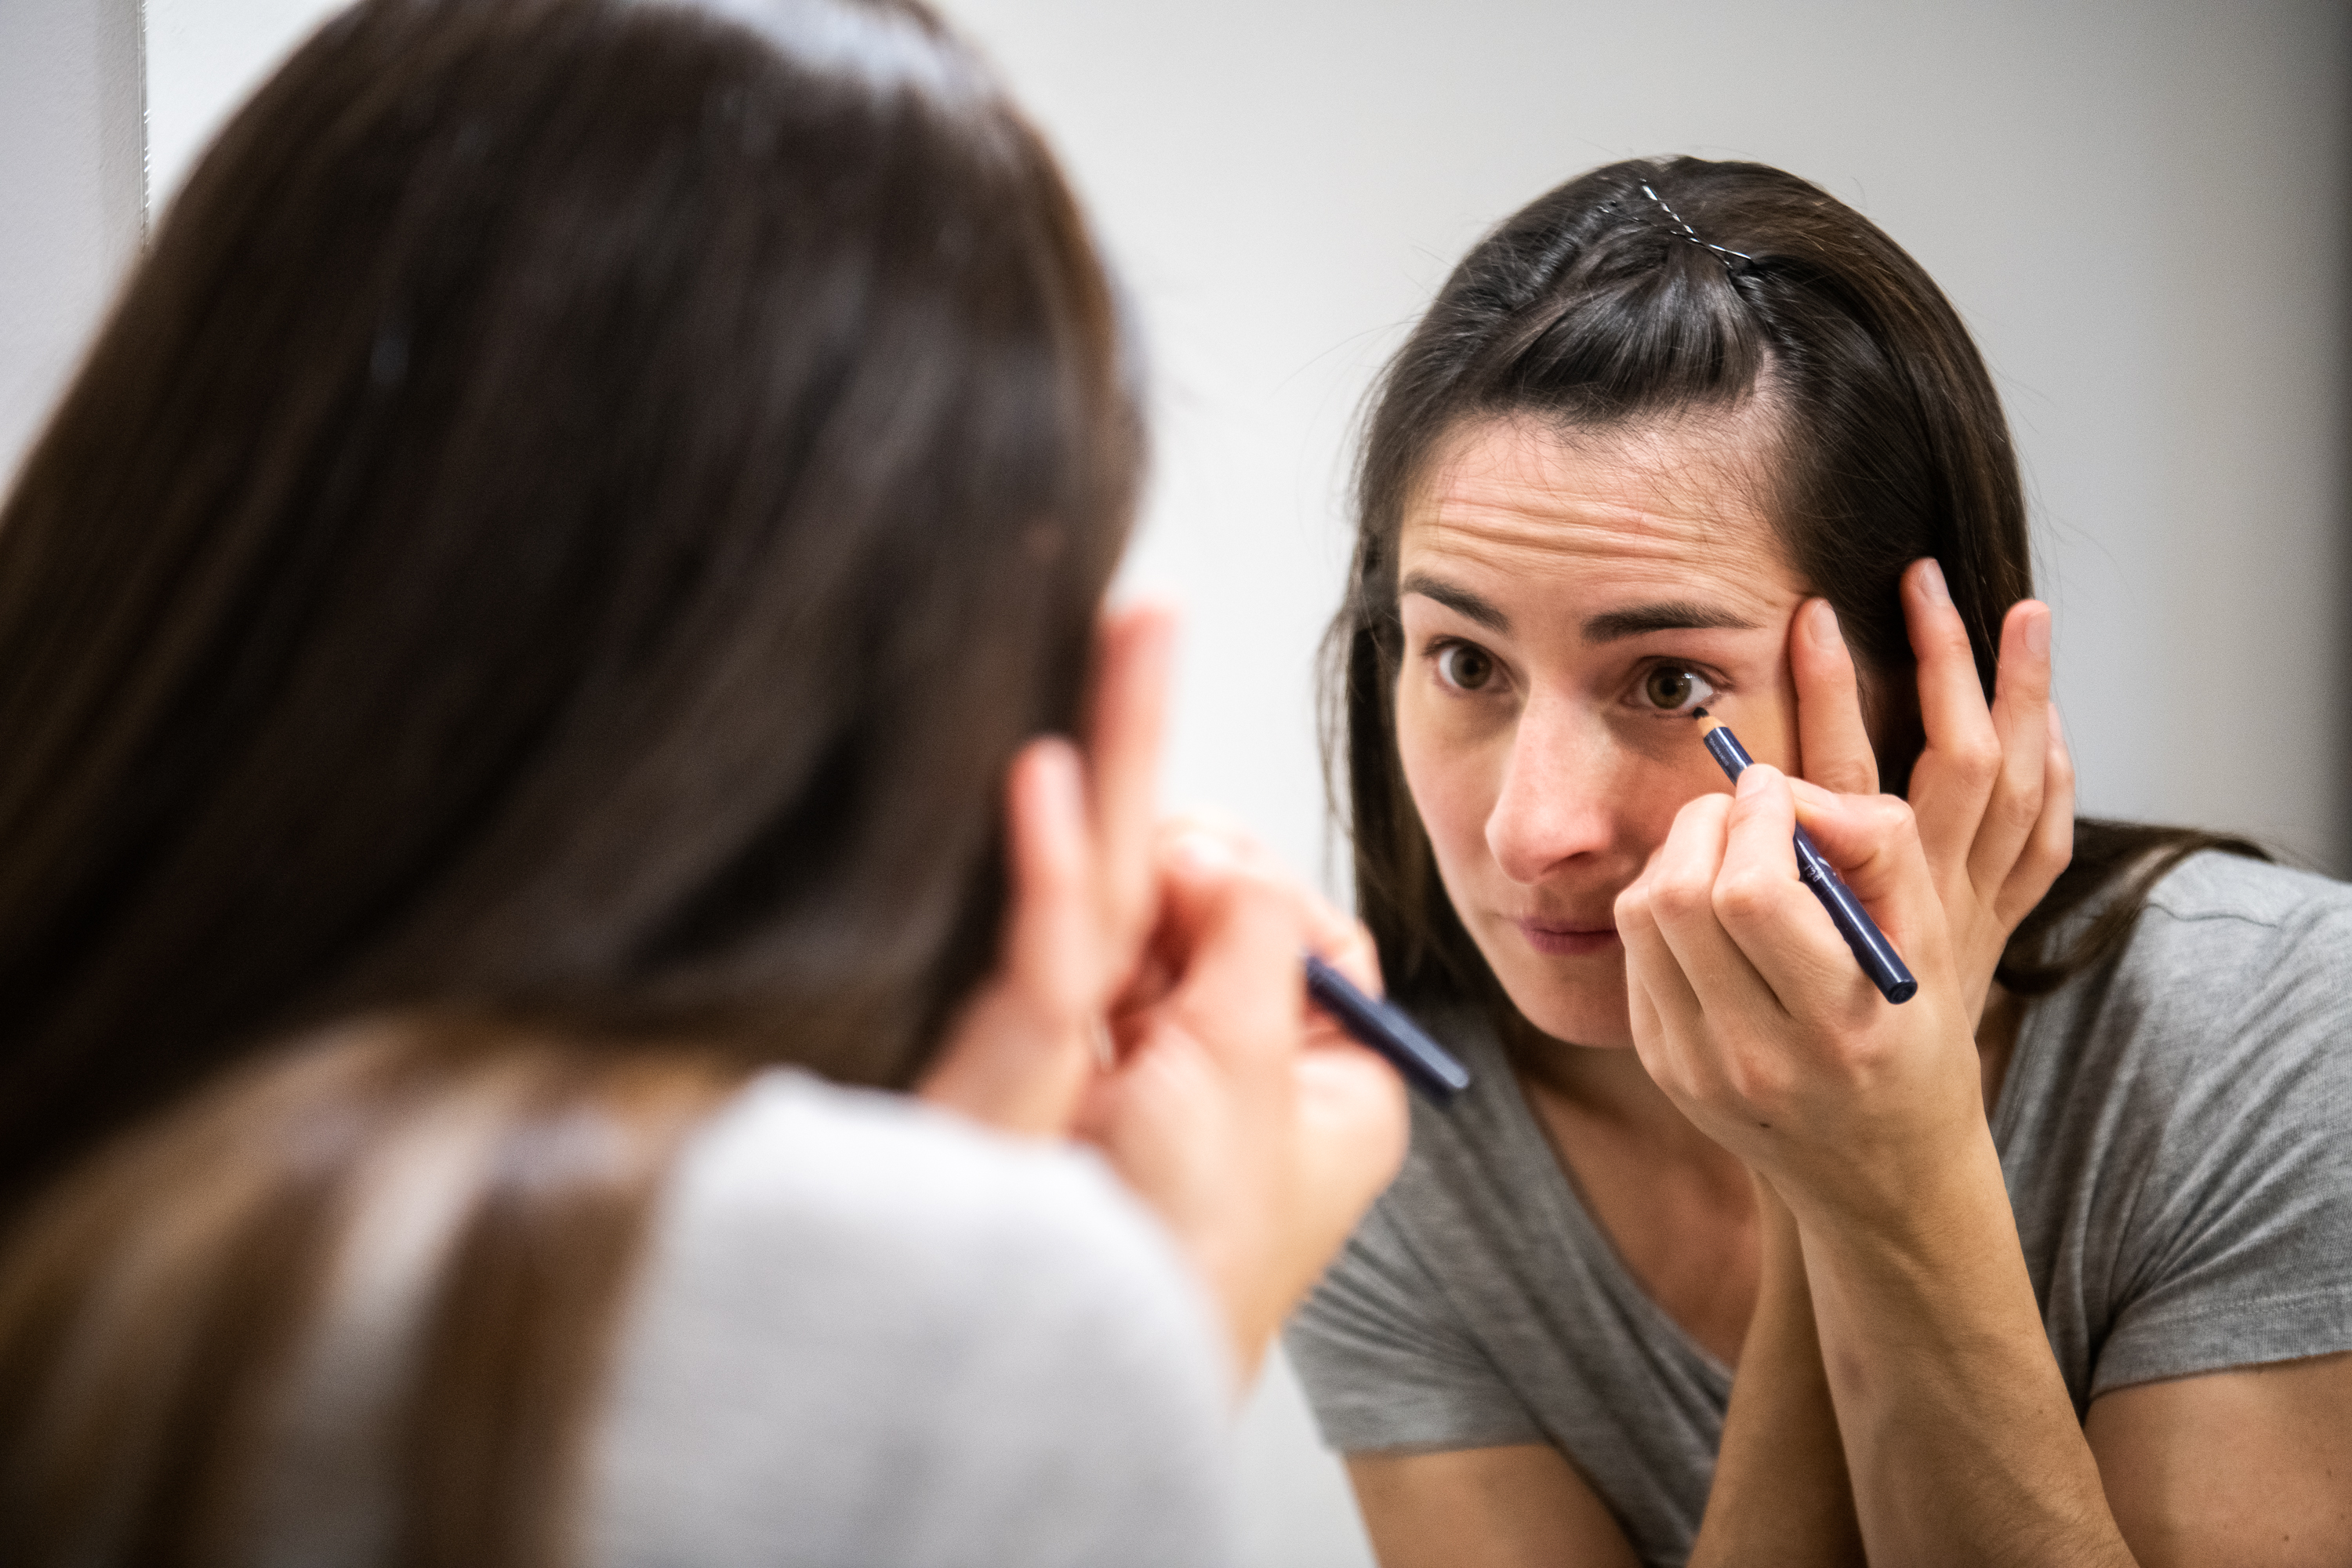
(1568, 598)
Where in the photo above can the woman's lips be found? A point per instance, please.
(1565, 940)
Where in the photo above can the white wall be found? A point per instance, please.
(204, 58)
(71, 191)
(2139, 206)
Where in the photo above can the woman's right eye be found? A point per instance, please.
(1465, 665)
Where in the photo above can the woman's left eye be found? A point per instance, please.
(1675, 688)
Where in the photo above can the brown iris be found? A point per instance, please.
(1465, 666)
(1669, 685)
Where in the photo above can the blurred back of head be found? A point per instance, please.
(575, 512)
(561, 536)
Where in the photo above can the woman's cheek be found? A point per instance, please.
(1452, 776)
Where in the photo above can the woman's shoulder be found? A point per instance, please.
(854, 1196)
(2219, 925)
(2216, 886)
(2172, 1132)
(907, 1185)
(888, 1335)
(2233, 991)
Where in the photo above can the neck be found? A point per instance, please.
(1609, 1085)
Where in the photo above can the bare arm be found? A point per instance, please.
(1780, 1492)
(1521, 1506)
(2252, 1466)
(1965, 1448)
(1958, 1429)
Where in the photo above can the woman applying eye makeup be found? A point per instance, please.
(1725, 1258)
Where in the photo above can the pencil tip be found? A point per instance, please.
(1699, 712)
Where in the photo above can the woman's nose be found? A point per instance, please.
(1555, 801)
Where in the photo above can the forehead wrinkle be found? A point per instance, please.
(1597, 600)
(1514, 494)
(1552, 525)
(1667, 556)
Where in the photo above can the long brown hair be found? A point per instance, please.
(552, 553)
(1644, 289)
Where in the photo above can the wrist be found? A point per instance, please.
(1932, 1197)
(1900, 1166)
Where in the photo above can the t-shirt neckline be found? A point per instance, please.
(1544, 1175)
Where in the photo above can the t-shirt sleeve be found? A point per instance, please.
(2231, 1202)
(1386, 1363)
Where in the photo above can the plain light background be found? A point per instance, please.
(2139, 208)
(71, 190)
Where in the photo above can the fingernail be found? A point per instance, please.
(1062, 775)
(2037, 634)
(1932, 579)
(1751, 778)
(1825, 626)
(1201, 853)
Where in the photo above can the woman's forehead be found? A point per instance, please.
(1520, 503)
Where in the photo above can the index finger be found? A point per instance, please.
(1126, 721)
(1237, 941)
(1956, 773)
(1017, 1057)
(1778, 929)
(1337, 938)
(1832, 739)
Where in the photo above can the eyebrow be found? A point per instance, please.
(1614, 625)
(1458, 599)
(1665, 616)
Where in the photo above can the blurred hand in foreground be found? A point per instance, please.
(1149, 999)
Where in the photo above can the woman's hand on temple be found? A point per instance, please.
(1994, 790)
(1149, 998)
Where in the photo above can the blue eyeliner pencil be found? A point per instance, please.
(1420, 1061)
(1871, 949)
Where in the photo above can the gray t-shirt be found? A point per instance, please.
(2175, 1129)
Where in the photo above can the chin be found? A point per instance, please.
(1570, 1001)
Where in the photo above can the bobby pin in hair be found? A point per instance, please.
(1691, 234)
